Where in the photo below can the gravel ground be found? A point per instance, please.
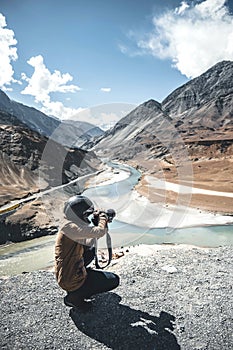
(170, 297)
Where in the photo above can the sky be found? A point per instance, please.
(107, 56)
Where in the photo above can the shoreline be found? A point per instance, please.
(107, 177)
(128, 239)
(141, 196)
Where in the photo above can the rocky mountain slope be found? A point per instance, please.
(75, 133)
(187, 138)
(70, 133)
(31, 117)
(192, 128)
(31, 162)
(136, 132)
(200, 110)
(214, 89)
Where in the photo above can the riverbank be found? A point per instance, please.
(197, 227)
(107, 176)
(170, 297)
(212, 201)
(206, 185)
(154, 203)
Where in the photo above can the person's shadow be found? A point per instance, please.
(120, 327)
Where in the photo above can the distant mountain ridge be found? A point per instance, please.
(194, 110)
(68, 132)
(30, 116)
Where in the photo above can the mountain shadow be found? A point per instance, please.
(121, 327)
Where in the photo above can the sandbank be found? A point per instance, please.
(137, 209)
(107, 176)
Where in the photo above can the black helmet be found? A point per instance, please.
(78, 207)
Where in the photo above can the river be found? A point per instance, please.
(38, 253)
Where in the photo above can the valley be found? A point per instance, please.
(186, 139)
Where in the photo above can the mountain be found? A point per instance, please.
(31, 162)
(79, 132)
(70, 133)
(202, 109)
(214, 87)
(38, 152)
(192, 127)
(30, 116)
(133, 133)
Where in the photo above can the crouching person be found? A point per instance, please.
(74, 251)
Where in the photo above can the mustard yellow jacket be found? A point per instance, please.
(69, 263)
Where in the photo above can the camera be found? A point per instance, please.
(110, 215)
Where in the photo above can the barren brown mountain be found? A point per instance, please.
(30, 162)
(186, 139)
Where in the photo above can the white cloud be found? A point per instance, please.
(106, 115)
(8, 53)
(182, 7)
(43, 82)
(58, 110)
(105, 89)
(195, 36)
(123, 48)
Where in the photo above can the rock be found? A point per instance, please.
(169, 268)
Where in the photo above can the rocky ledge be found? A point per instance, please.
(170, 297)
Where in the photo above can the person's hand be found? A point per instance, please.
(102, 214)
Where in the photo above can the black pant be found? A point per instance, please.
(97, 281)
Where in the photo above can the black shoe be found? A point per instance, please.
(82, 305)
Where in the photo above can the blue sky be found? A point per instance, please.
(65, 56)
